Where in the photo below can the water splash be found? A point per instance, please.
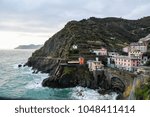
(81, 93)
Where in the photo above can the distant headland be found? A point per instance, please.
(31, 46)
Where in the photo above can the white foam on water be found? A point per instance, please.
(81, 93)
(35, 81)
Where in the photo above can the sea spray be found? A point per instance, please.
(81, 93)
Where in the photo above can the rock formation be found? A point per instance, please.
(112, 33)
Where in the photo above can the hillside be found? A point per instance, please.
(112, 33)
(31, 46)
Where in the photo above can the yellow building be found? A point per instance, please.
(95, 65)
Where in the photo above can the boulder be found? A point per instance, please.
(19, 65)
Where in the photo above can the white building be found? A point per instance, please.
(100, 52)
(142, 47)
(94, 65)
(74, 47)
(135, 54)
(126, 49)
(113, 54)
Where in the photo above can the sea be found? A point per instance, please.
(22, 83)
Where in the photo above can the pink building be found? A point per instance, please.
(100, 52)
(126, 49)
(127, 62)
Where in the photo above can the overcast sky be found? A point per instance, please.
(34, 21)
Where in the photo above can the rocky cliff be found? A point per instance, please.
(79, 75)
(112, 33)
(87, 34)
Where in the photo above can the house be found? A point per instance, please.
(142, 47)
(81, 60)
(110, 62)
(110, 58)
(127, 62)
(74, 47)
(126, 49)
(113, 54)
(73, 62)
(95, 65)
(136, 53)
(103, 52)
(136, 46)
(100, 52)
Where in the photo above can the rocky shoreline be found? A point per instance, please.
(64, 76)
(87, 34)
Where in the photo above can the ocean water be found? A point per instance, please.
(21, 83)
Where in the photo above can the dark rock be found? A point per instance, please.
(19, 65)
(104, 91)
(120, 96)
(35, 72)
(117, 85)
(71, 76)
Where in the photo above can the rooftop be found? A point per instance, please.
(137, 44)
(127, 57)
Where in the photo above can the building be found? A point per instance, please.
(142, 47)
(100, 52)
(126, 62)
(73, 62)
(95, 65)
(81, 60)
(135, 53)
(74, 47)
(113, 54)
(136, 46)
(126, 49)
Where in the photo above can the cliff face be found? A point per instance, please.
(112, 33)
(79, 75)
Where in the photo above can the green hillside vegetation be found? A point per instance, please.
(142, 92)
(112, 33)
(87, 34)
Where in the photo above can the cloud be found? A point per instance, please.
(49, 16)
(139, 11)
